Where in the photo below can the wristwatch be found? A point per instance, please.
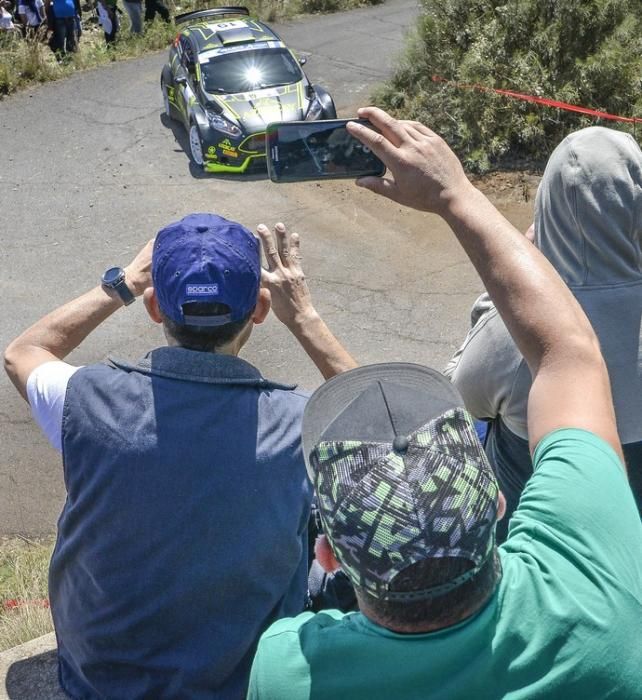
(114, 278)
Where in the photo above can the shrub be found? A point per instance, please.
(333, 5)
(586, 52)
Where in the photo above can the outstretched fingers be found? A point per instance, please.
(295, 249)
(379, 185)
(391, 128)
(381, 146)
(270, 248)
(282, 243)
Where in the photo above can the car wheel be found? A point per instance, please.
(195, 145)
(329, 112)
(166, 103)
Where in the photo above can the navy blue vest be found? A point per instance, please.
(183, 535)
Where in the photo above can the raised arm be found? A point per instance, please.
(570, 382)
(58, 333)
(292, 303)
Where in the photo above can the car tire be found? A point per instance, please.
(329, 112)
(167, 106)
(196, 145)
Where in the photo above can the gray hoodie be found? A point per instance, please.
(588, 223)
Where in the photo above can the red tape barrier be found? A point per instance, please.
(14, 603)
(540, 101)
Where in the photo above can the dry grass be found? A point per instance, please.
(24, 565)
(24, 62)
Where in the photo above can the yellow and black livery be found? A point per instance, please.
(229, 76)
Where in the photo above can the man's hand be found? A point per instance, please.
(138, 274)
(284, 278)
(426, 174)
(292, 303)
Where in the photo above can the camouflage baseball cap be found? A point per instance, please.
(400, 476)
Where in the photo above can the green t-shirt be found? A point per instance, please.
(565, 621)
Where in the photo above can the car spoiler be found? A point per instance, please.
(214, 12)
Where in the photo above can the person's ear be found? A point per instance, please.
(263, 305)
(501, 506)
(325, 556)
(151, 304)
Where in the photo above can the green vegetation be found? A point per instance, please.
(24, 613)
(585, 52)
(24, 62)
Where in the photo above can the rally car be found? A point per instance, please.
(228, 76)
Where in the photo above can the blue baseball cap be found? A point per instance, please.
(206, 258)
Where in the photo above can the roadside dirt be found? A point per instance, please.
(509, 186)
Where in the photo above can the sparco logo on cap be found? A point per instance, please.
(196, 290)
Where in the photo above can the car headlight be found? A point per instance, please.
(314, 110)
(223, 124)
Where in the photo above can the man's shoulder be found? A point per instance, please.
(307, 622)
(95, 369)
(287, 651)
(577, 516)
(295, 397)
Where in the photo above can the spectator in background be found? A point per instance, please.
(588, 223)
(134, 9)
(62, 17)
(152, 7)
(184, 532)
(78, 21)
(409, 502)
(32, 15)
(108, 19)
(6, 18)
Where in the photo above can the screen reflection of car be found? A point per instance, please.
(227, 78)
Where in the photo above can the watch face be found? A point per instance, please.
(113, 276)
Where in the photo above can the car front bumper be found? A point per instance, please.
(227, 155)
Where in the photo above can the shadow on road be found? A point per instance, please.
(34, 677)
(252, 174)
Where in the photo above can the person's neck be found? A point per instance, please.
(232, 349)
(423, 626)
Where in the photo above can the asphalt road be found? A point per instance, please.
(90, 171)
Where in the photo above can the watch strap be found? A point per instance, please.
(124, 292)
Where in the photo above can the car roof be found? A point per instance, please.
(226, 33)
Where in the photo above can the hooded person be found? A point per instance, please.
(588, 223)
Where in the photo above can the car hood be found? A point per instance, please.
(253, 111)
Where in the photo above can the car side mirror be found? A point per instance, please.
(303, 60)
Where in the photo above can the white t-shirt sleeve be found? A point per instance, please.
(46, 389)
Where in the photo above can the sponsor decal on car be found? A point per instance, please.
(208, 52)
(230, 24)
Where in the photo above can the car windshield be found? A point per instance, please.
(244, 71)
